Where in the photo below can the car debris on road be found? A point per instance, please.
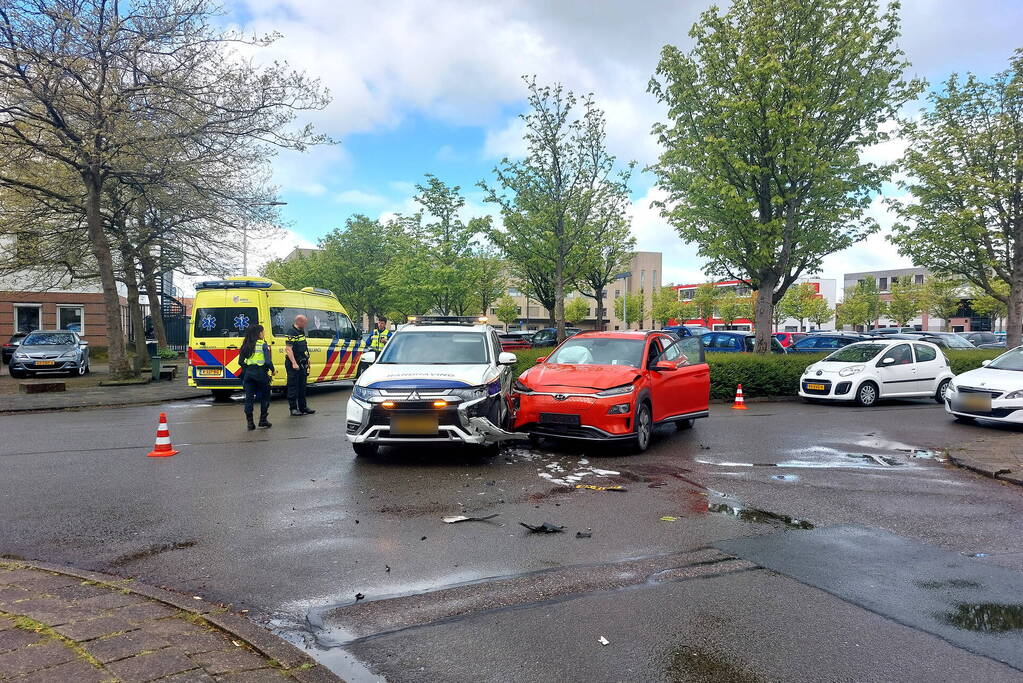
(545, 528)
(591, 487)
(463, 518)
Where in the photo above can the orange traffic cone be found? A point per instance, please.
(163, 448)
(740, 402)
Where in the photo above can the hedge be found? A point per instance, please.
(770, 375)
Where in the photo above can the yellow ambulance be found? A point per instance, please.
(224, 310)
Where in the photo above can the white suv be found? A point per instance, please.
(871, 370)
(438, 380)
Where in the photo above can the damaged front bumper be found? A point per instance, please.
(457, 421)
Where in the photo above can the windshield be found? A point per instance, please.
(599, 351)
(49, 339)
(954, 341)
(856, 353)
(1013, 360)
(435, 348)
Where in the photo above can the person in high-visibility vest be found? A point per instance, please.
(381, 335)
(257, 369)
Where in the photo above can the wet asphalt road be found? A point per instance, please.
(287, 523)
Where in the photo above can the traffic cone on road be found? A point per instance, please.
(163, 448)
(740, 402)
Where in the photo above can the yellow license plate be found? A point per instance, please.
(976, 403)
(45, 362)
(815, 387)
(414, 425)
(209, 372)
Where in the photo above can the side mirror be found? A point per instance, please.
(369, 357)
(985, 363)
(887, 361)
(665, 366)
(541, 359)
(505, 358)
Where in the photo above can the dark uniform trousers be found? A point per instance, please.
(296, 386)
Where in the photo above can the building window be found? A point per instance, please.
(687, 294)
(618, 293)
(653, 280)
(27, 317)
(513, 291)
(71, 318)
(741, 290)
(882, 284)
(918, 278)
(895, 280)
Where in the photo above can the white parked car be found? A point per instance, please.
(440, 379)
(868, 371)
(993, 392)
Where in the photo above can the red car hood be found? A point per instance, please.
(596, 377)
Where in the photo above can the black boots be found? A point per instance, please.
(263, 422)
(249, 424)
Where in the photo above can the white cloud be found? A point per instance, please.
(506, 140)
(653, 233)
(360, 198)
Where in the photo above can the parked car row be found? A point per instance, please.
(46, 351)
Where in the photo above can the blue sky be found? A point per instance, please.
(434, 87)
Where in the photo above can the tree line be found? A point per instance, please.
(135, 139)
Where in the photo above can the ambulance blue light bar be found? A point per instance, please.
(235, 284)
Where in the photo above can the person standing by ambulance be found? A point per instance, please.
(257, 369)
(296, 349)
(381, 335)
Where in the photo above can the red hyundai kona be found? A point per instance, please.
(605, 386)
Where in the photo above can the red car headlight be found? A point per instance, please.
(521, 388)
(622, 390)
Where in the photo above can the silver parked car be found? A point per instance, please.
(50, 351)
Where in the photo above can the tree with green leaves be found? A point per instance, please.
(964, 160)
(798, 302)
(576, 310)
(820, 312)
(551, 200)
(906, 302)
(630, 308)
(943, 297)
(768, 115)
(606, 260)
(486, 275)
(664, 305)
(732, 307)
(353, 261)
(705, 302)
(985, 304)
(863, 305)
(507, 310)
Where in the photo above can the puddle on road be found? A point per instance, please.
(950, 583)
(786, 477)
(756, 516)
(149, 551)
(985, 617)
(689, 663)
(821, 457)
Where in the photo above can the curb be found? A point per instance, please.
(93, 406)
(235, 625)
(988, 470)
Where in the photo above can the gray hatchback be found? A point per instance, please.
(51, 351)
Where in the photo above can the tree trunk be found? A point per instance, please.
(764, 314)
(559, 302)
(131, 284)
(600, 310)
(155, 309)
(100, 245)
(1014, 318)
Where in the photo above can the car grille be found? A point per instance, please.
(972, 390)
(826, 383)
(381, 417)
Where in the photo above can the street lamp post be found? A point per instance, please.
(245, 238)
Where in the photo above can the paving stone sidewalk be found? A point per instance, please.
(91, 628)
(82, 395)
(1006, 465)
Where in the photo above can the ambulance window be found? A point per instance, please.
(282, 318)
(231, 321)
(345, 328)
(322, 324)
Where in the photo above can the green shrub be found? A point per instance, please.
(167, 353)
(770, 375)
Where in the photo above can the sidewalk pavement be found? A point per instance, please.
(83, 392)
(1001, 464)
(59, 624)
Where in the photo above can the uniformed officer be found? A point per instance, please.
(257, 369)
(297, 366)
(381, 335)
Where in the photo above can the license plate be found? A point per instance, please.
(209, 372)
(414, 425)
(976, 403)
(45, 362)
(815, 387)
(559, 419)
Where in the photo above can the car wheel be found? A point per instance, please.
(88, 367)
(364, 450)
(939, 395)
(221, 395)
(866, 395)
(965, 419)
(683, 425)
(644, 428)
